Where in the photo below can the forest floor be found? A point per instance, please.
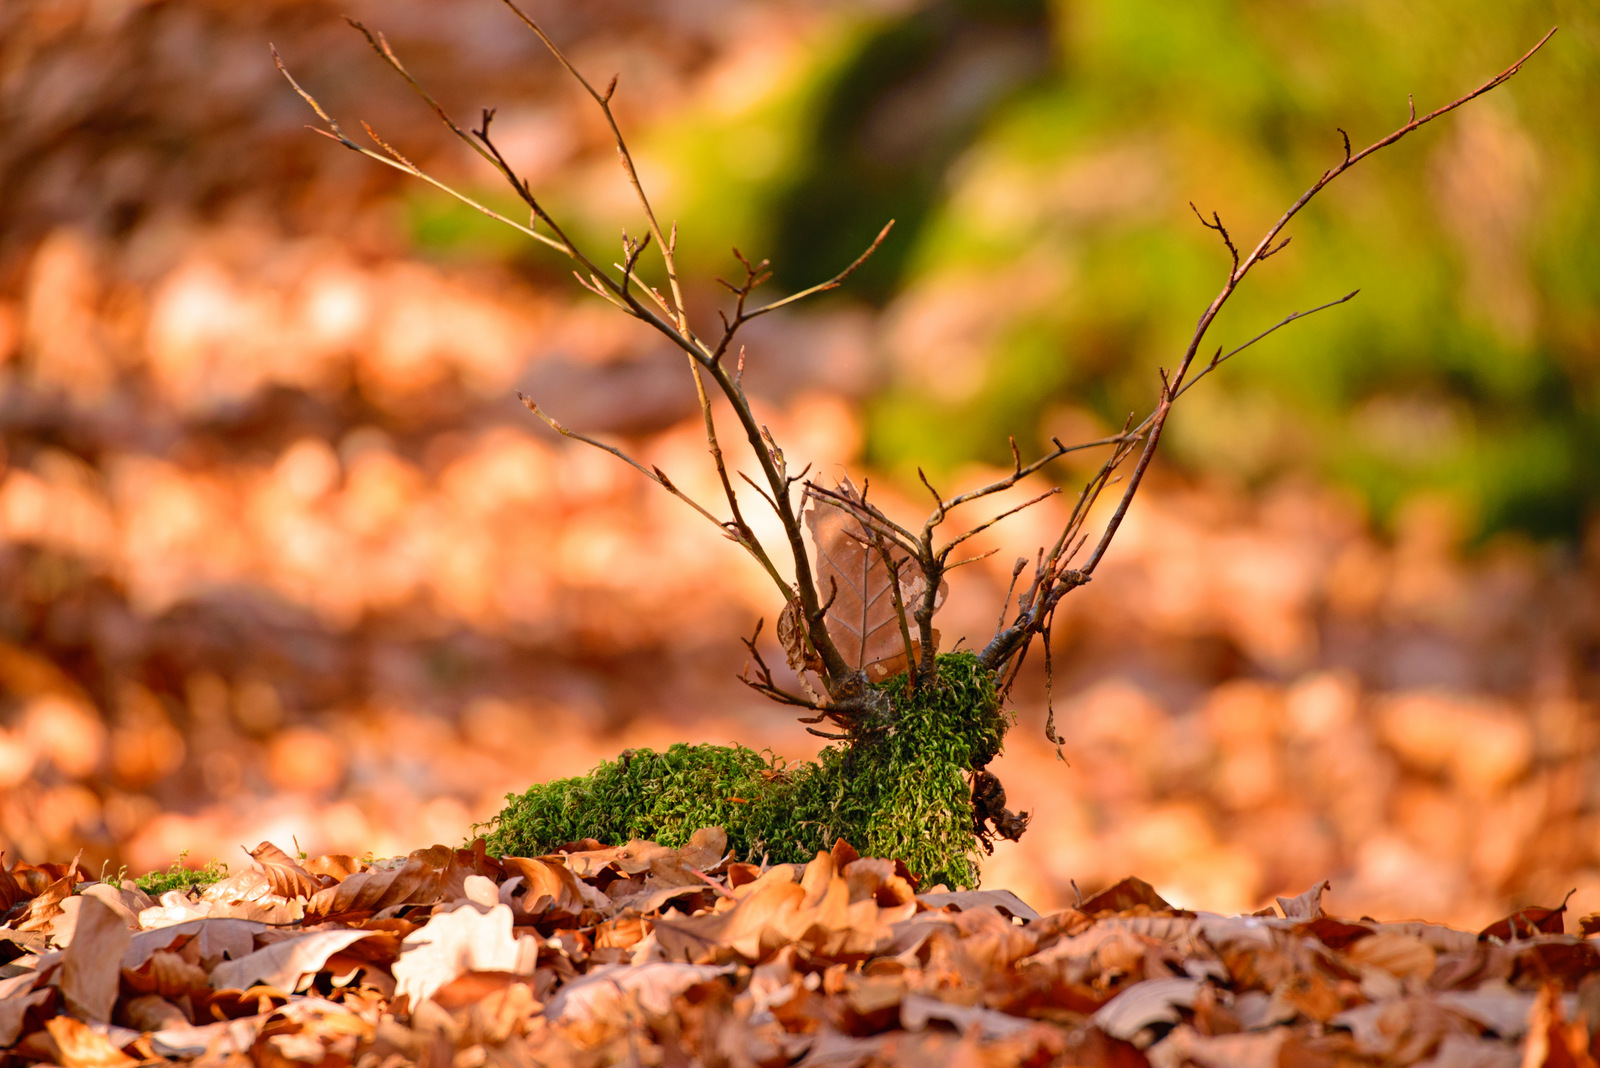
(652, 956)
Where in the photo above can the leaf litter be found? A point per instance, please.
(650, 955)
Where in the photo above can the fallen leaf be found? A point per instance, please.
(859, 586)
(1473, 1051)
(1528, 921)
(169, 975)
(1184, 1047)
(1123, 896)
(1401, 955)
(453, 943)
(916, 1011)
(91, 967)
(211, 940)
(1552, 1039)
(227, 1035)
(285, 878)
(1403, 1030)
(1307, 906)
(45, 907)
(412, 882)
(334, 865)
(80, 1046)
(962, 900)
(609, 991)
(282, 964)
(14, 1012)
(1143, 1005)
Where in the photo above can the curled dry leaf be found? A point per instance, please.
(45, 907)
(1129, 893)
(1528, 922)
(608, 992)
(285, 877)
(412, 882)
(1307, 906)
(169, 975)
(962, 900)
(1404, 956)
(91, 967)
(207, 940)
(80, 1046)
(282, 964)
(853, 574)
(454, 943)
(792, 636)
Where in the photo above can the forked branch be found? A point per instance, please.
(804, 625)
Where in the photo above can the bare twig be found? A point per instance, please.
(1052, 579)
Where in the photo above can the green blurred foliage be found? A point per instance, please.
(1470, 363)
(1041, 161)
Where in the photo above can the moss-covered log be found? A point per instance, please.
(902, 789)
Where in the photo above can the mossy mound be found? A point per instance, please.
(898, 791)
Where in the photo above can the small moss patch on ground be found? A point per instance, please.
(899, 791)
(180, 877)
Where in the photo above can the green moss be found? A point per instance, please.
(179, 877)
(899, 791)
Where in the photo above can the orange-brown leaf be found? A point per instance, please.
(285, 878)
(858, 585)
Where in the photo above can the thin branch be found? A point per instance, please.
(667, 245)
(1239, 271)
(1052, 579)
(1221, 357)
(981, 527)
(336, 133)
(833, 283)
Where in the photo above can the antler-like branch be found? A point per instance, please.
(1052, 579)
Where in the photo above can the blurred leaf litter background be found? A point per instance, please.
(281, 555)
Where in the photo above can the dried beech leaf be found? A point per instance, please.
(1142, 1005)
(169, 975)
(285, 877)
(962, 900)
(853, 575)
(333, 865)
(1401, 955)
(610, 992)
(81, 1046)
(454, 943)
(791, 635)
(1526, 922)
(1130, 893)
(1307, 906)
(208, 941)
(45, 908)
(91, 967)
(377, 889)
(14, 1012)
(282, 964)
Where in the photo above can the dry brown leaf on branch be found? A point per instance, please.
(858, 585)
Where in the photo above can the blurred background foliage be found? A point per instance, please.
(1039, 160)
